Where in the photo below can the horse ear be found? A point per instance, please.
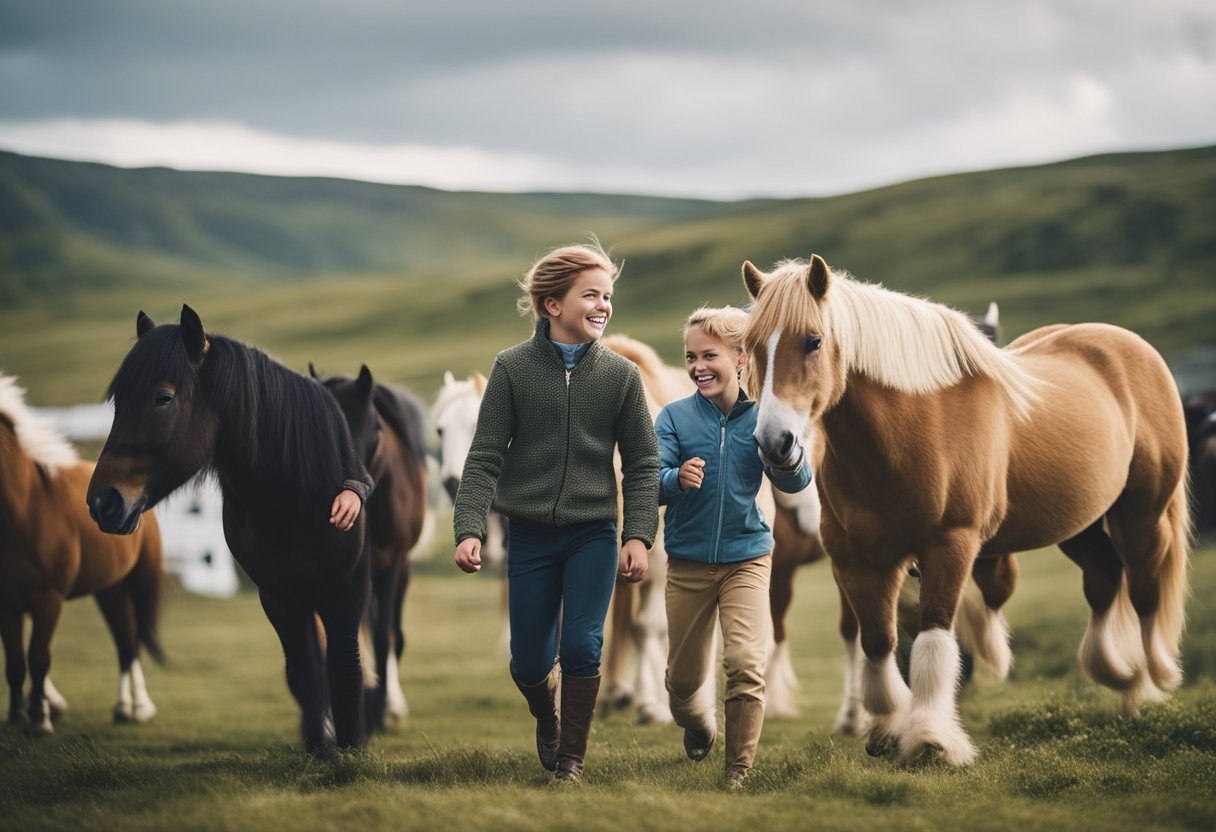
(448, 378)
(993, 318)
(479, 383)
(312, 372)
(193, 337)
(365, 382)
(752, 279)
(143, 325)
(818, 275)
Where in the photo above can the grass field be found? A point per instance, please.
(223, 753)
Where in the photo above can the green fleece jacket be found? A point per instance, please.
(545, 438)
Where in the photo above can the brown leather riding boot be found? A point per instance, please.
(744, 719)
(542, 702)
(578, 706)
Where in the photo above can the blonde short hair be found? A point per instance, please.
(553, 274)
(726, 323)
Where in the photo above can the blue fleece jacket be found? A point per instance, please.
(720, 521)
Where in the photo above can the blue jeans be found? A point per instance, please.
(557, 573)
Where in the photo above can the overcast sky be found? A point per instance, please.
(764, 97)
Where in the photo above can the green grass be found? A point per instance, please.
(224, 753)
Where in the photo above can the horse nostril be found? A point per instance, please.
(108, 508)
(787, 443)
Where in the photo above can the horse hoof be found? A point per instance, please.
(123, 714)
(879, 746)
(143, 712)
(43, 728)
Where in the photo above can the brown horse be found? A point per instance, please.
(386, 425)
(53, 552)
(982, 630)
(942, 448)
(187, 401)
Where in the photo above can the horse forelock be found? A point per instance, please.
(46, 446)
(158, 357)
(451, 393)
(906, 343)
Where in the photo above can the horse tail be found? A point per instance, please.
(145, 585)
(1164, 646)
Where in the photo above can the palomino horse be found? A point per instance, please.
(386, 426)
(941, 448)
(982, 630)
(639, 610)
(186, 401)
(52, 551)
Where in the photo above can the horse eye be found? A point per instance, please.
(812, 343)
(163, 397)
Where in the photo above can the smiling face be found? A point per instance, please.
(713, 366)
(582, 313)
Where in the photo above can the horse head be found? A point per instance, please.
(455, 412)
(163, 431)
(355, 398)
(798, 367)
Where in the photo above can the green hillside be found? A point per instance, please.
(414, 281)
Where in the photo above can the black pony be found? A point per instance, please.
(185, 402)
(386, 425)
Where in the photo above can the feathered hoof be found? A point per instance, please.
(958, 752)
(881, 743)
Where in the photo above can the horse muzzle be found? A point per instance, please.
(113, 513)
(780, 449)
(452, 485)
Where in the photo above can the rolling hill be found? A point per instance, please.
(414, 281)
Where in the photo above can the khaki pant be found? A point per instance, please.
(699, 595)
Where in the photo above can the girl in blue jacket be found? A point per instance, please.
(719, 546)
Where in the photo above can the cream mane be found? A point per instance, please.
(906, 343)
(663, 384)
(45, 445)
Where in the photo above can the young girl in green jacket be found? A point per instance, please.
(555, 409)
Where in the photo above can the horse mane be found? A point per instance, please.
(663, 384)
(46, 446)
(281, 424)
(405, 415)
(907, 343)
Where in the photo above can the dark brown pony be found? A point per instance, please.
(185, 402)
(52, 552)
(386, 425)
(941, 449)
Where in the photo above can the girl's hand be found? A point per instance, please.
(468, 555)
(633, 560)
(692, 473)
(346, 508)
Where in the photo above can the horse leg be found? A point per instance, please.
(1153, 546)
(45, 614)
(1110, 651)
(380, 617)
(12, 626)
(936, 664)
(395, 705)
(133, 703)
(871, 594)
(852, 719)
(982, 627)
(651, 695)
(342, 618)
(295, 625)
(780, 681)
(619, 693)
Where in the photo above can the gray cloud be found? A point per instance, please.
(772, 92)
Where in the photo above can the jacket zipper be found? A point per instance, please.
(566, 461)
(721, 491)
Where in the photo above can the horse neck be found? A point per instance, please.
(868, 425)
(17, 475)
